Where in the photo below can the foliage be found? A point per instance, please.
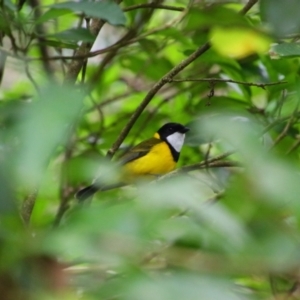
(82, 82)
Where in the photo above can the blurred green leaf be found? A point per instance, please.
(44, 125)
(273, 178)
(282, 15)
(214, 15)
(106, 10)
(285, 50)
(52, 14)
(179, 286)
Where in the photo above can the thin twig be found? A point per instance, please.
(248, 6)
(202, 165)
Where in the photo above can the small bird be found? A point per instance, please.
(150, 158)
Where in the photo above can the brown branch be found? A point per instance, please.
(214, 80)
(248, 6)
(165, 79)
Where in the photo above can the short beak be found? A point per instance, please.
(185, 129)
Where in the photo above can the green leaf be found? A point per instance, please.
(214, 15)
(285, 50)
(105, 10)
(181, 286)
(52, 13)
(75, 34)
(43, 125)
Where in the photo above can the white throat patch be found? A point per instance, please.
(176, 140)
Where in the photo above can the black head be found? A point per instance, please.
(170, 128)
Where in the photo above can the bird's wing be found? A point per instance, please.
(139, 150)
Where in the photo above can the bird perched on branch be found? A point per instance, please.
(150, 158)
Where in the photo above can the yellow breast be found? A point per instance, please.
(158, 161)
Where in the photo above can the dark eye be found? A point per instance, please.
(171, 128)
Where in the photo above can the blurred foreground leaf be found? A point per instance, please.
(43, 125)
(106, 10)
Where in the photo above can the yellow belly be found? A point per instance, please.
(158, 161)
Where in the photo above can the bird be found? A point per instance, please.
(151, 158)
